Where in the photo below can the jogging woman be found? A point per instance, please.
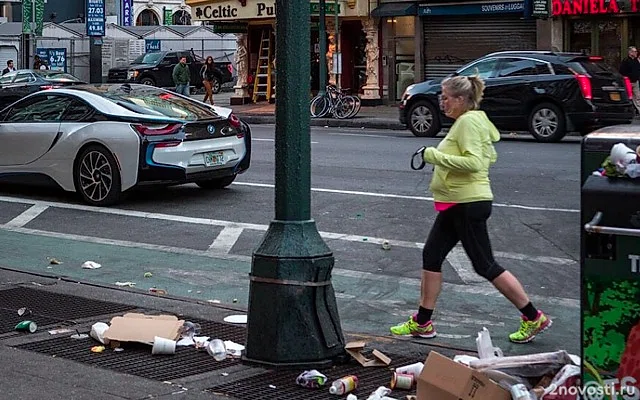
(463, 200)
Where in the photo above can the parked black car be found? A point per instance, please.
(17, 84)
(156, 69)
(545, 93)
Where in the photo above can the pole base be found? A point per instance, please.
(301, 365)
(293, 315)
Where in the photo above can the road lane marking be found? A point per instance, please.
(460, 263)
(263, 228)
(271, 140)
(27, 216)
(225, 240)
(485, 289)
(408, 197)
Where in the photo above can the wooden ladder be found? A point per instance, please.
(263, 85)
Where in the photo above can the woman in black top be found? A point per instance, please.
(207, 79)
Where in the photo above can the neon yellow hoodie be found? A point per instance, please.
(462, 160)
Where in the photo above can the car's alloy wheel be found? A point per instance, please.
(423, 120)
(97, 176)
(546, 123)
(216, 86)
(218, 183)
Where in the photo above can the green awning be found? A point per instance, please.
(395, 10)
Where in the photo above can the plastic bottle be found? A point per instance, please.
(344, 385)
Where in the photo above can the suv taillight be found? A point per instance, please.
(627, 85)
(585, 86)
(230, 68)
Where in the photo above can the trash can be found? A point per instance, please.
(610, 270)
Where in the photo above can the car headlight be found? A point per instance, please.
(132, 74)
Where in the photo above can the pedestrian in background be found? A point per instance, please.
(463, 200)
(9, 68)
(182, 77)
(207, 79)
(630, 67)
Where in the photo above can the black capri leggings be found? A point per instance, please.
(465, 222)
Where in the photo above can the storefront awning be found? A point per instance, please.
(395, 10)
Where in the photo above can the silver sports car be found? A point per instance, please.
(102, 140)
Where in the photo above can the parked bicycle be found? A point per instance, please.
(336, 102)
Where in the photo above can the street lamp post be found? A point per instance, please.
(322, 32)
(292, 315)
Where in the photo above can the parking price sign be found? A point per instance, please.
(95, 18)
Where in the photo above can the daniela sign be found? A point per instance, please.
(234, 10)
(592, 7)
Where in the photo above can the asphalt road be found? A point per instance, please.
(199, 243)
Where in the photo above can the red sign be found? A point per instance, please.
(588, 7)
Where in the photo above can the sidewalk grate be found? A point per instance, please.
(49, 308)
(10, 318)
(258, 387)
(136, 359)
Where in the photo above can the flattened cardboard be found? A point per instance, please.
(142, 328)
(445, 379)
(355, 350)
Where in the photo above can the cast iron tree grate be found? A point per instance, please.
(47, 308)
(370, 378)
(136, 359)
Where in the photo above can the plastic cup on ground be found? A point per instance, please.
(163, 346)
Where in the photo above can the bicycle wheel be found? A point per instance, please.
(344, 107)
(319, 106)
(356, 109)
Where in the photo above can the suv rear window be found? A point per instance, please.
(590, 66)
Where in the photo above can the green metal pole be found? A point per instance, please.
(337, 44)
(322, 32)
(292, 314)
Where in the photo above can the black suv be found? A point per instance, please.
(545, 93)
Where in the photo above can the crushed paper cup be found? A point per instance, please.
(91, 265)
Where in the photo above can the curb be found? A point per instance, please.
(368, 123)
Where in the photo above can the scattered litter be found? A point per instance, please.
(192, 340)
(351, 396)
(312, 379)
(91, 265)
(123, 284)
(54, 261)
(233, 349)
(163, 346)
(235, 300)
(189, 291)
(236, 319)
(98, 349)
(401, 381)
(148, 275)
(97, 332)
(214, 301)
(199, 291)
(272, 386)
(24, 311)
(27, 326)
(414, 369)
(118, 349)
(344, 385)
(217, 349)
(161, 292)
(464, 359)
(355, 350)
(36, 284)
(190, 329)
(380, 394)
(386, 245)
(79, 336)
(59, 331)
(364, 239)
(225, 374)
(485, 345)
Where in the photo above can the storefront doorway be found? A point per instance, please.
(398, 55)
(599, 37)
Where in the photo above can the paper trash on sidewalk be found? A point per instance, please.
(355, 350)
(233, 349)
(485, 345)
(141, 328)
(91, 265)
(192, 340)
(445, 379)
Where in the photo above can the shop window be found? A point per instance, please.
(580, 36)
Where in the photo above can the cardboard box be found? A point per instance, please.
(445, 379)
(142, 328)
(355, 350)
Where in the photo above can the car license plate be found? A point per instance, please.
(614, 96)
(213, 159)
